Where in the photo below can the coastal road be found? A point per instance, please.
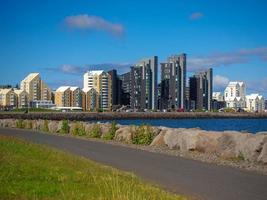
(184, 176)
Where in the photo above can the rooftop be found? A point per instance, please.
(62, 88)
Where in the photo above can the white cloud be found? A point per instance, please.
(89, 22)
(225, 59)
(196, 16)
(220, 82)
(80, 69)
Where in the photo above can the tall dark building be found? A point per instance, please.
(200, 90)
(116, 87)
(126, 88)
(173, 78)
(144, 92)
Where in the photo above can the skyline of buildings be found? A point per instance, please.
(138, 89)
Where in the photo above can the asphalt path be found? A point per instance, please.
(184, 176)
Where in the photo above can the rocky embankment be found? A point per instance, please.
(229, 147)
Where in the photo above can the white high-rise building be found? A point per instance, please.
(102, 83)
(235, 95)
(255, 103)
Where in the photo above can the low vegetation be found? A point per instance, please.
(143, 135)
(45, 127)
(20, 124)
(111, 133)
(31, 171)
(64, 127)
(95, 132)
(78, 129)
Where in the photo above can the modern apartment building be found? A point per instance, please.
(46, 92)
(7, 99)
(218, 100)
(144, 92)
(76, 97)
(116, 87)
(102, 83)
(126, 88)
(235, 95)
(90, 100)
(173, 79)
(21, 98)
(255, 103)
(35, 87)
(63, 96)
(200, 95)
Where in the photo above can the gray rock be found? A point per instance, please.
(263, 155)
(53, 126)
(125, 134)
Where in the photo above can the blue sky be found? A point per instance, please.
(63, 38)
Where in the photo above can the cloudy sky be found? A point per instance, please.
(63, 38)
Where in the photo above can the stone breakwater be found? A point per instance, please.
(225, 145)
(90, 116)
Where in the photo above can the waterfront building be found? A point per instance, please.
(63, 96)
(255, 103)
(21, 98)
(102, 83)
(35, 87)
(173, 82)
(46, 92)
(116, 88)
(7, 99)
(76, 97)
(235, 95)
(126, 88)
(46, 104)
(200, 90)
(218, 100)
(144, 93)
(90, 100)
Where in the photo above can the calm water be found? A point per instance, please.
(250, 125)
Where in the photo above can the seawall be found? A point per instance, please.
(89, 116)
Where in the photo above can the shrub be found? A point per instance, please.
(64, 127)
(78, 129)
(20, 123)
(45, 127)
(143, 135)
(95, 132)
(111, 133)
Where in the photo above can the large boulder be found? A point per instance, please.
(251, 148)
(207, 142)
(181, 138)
(228, 142)
(105, 127)
(125, 134)
(263, 155)
(37, 124)
(159, 140)
(11, 123)
(171, 137)
(88, 127)
(53, 126)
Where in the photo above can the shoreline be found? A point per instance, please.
(231, 148)
(92, 116)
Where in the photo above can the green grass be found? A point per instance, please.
(31, 171)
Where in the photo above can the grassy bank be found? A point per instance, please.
(30, 171)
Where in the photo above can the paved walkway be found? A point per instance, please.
(202, 180)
